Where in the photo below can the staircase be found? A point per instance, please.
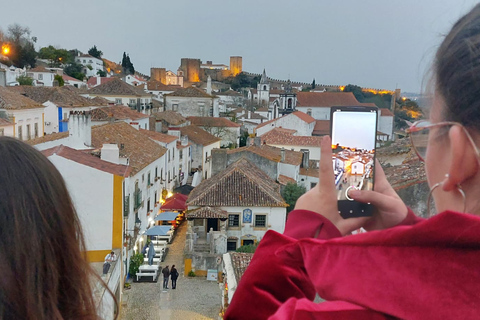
(201, 247)
(189, 180)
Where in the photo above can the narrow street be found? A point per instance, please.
(194, 298)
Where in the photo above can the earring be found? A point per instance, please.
(436, 185)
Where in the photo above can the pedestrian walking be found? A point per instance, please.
(151, 253)
(174, 276)
(166, 273)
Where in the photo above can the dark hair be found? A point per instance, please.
(44, 273)
(457, 71)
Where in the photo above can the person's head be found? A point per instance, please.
(173, 266)
(44, 274)
(112, 253)
(451, 157)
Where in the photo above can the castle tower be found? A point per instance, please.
(158, 74)
(235, 65)
(263, 90)
(288, 99)
(190, 69)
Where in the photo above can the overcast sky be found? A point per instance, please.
(371, 43)
(354, 129)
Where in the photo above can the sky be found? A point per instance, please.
(354, 129)
(372, 43)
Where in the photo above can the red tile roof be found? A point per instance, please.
(240, 263)
(48, 138)
(274, 137)
(158, 86)
(5, 123)
(272, 153)
(93, 81)
(12, 100)
(66, 77)
(305, 117)
(88, 160)
(240, 184)
(139, 148)
(310, 172)
(198, 135)
(169, 116)
(207, 213)
(284, 180)
(190, 92)
(39, 69)
(117, 87)
(212, 122)
(116, 113)
(326, 99)
(157, 136)
(322, 127)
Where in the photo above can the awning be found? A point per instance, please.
(166, 216)
(158, 231)
(174, 204)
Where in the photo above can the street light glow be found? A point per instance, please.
(5, 49)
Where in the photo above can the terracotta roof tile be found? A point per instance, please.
(240, 263)
(322, 127)
(66, 96)
(309, 172)
(158, 86)
(12, 100)
(171, 117)
(272, 153)
(212, 122)
(190, 92)
(48, 138)
(5, 123)
(284, 180)
(407, 174)
(117, 113)
(139, 148)
(94, 81)
(240, 184)
(326, 99)
(39, 69)
(280, 138)
(198, 135)
(207, 212)
(180, 146)
(157, 136)
(305, 117)
(88, 160)
(118, 88)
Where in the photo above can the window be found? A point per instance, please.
(175, 107)
(247, 242)
(148, 204)
(231, 245)
(40, 76)
(143, 177)
(118, 101)
(309, 112)
(173, 155)
(28, 132)
(168, 176)
(148, 179)
(181, 154)
(260, 220)
(35, 127)
(264, 87)
(168, 155)
(64, 116)
(312, 185)
(132, 101)
(233, 220)
(156, 172)
(20, 133)
(161, 173)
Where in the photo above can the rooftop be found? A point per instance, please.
(88, 160)
(189, 92)
(272, 153)
(309, 172)
(240, 184)
(171, 117)
(48, 138)
(133, 144)
(158, 86)
(212, 122)
(12, 100)
(117, 113)
(117, 87)
(65, 96)
(284, 180)
(207, 213)
(280, 138)
(240, 263)
(322, 127)
(5, 123)
(326, 99)
(157, 136)
(198, 135)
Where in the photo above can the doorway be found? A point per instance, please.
(212, 223)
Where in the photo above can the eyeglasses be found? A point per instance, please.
(420, 135)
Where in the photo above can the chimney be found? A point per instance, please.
(184, 140)
(80, 128)
(249, 114)
(306, 158)
(110, 153)
(209, 85)
(282, 152)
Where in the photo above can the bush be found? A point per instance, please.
(135, 262)
(25, 81)
(249, 248)
(191, 273)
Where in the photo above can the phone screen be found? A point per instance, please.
(354, 131)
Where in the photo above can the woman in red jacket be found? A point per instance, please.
(420, 269)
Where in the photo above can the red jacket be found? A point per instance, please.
(423, 269)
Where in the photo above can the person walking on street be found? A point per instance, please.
(166, 273)
(151, 253)
(174, 277)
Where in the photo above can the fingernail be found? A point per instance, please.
(354, 193)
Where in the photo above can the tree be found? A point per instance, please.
(56, 56)
(313, 84)
(94, 52)
(25, 81)
(60, 80)
(101, 73)
(356, 90)
(75, 70)
(127, 65)
(291, 193)
(22, 49)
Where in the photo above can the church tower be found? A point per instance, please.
(288, 99)
(263, 90)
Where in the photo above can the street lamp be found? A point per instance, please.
(5, 49)
(138, 223)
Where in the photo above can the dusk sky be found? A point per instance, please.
(371, 43)
(354, 129)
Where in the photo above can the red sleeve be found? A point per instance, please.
(269, 282)
(410, 219)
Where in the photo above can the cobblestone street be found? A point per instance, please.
(194, 298)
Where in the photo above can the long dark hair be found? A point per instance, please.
(44, 273)
(457, 71)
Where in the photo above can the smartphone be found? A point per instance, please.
(353, 132)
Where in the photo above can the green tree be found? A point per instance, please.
(22, 46)
(101, 73)
(94, 52)
(356, 90)
(313, 84)
(291, 193)
(60, 80)
(127, 65)
(135, 262)
(75, 70)
(56, 56)
(25, 81)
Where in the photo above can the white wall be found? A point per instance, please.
(207, 153)
(318, 113)
(385, 125)
(192, 106)
(288, 170)
(314, 151)
(307, 181)
(288, 122)
(25, 117)
(7, 131)
(92, 194)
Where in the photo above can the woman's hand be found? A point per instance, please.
(389, 208)
(322, 199)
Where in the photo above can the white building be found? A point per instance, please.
(192, 101)
(299, 121)
(115, 113)
(11, 74)
(159, 89)
(91, 65)
(25, 114)
(285, 138)
(222, 128)
(6, 128)
(134, 80)
(41, 76)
